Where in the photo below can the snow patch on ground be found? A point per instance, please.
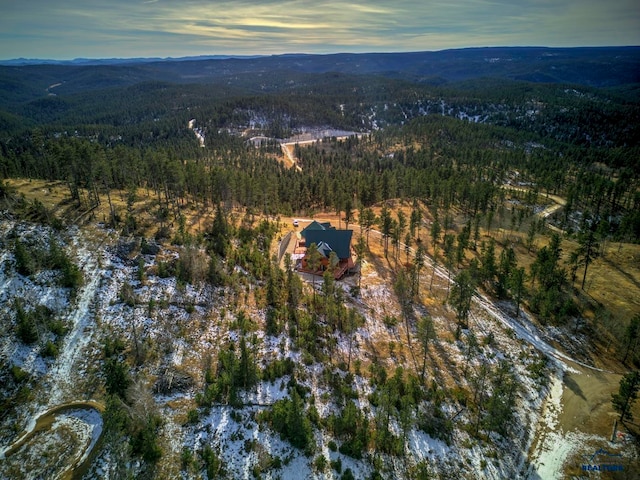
(186, 339)
(552, 450)
(426, 447)
(71, 362)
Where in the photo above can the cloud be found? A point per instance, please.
(88, 28)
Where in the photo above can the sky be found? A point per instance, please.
(68, 29)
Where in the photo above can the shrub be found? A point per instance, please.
(243, 323)
(147, 248)
(58, 260)
(278, 369)
(25, 260)
(58, 327)
(145, 441)
(50, 349)
(164, 269)
(390, 321)
(276, 462)
(193, 416)
(24, 394)
(140, 272)
(435, 423)
(422, 471)
(27, 330)
(313, 415)
(186, 458)
(116, 377)
(352, 448)
(18, 374)
(538, 369)
(192, 266)
(212, 463)
(127, 295)
(113, 346)
(307, 358)
(71, 277)
(288, 418)
(163, 233)
(320, 463)
(347, 475)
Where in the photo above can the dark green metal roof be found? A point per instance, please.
(338, 240)
(316, 226)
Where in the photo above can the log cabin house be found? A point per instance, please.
(328, 239)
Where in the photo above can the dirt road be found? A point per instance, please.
(547, 212)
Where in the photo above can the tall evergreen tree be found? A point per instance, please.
(313, 258)
(516, 285)
(631, 337)
(461, 296)
(426, 333)
(220, 234)
(626, 396)
(588, 247)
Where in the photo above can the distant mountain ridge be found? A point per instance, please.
(115, 61)
(23, 81)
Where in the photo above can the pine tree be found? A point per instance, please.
(516, 285)
(348, 211)
(631, 337)
(461, 296)
(386, 227)
(313, 258)
(415, 219)
(298, 428)
(353, 321)
(449, 256)
(220, 234)
(426, 333)
(488, 268)
(436, 229)
(626, 396)
(507, 264)
(360, 248)
(418, 266)
(367, 220)
(588, 248)
(247, 374)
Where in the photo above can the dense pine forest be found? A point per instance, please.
(488, 214)
(448, 146)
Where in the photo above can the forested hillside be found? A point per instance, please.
(153, 312)
(425, 142)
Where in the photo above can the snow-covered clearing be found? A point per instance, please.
(199, 133)
(553, 447)
(70, 366)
